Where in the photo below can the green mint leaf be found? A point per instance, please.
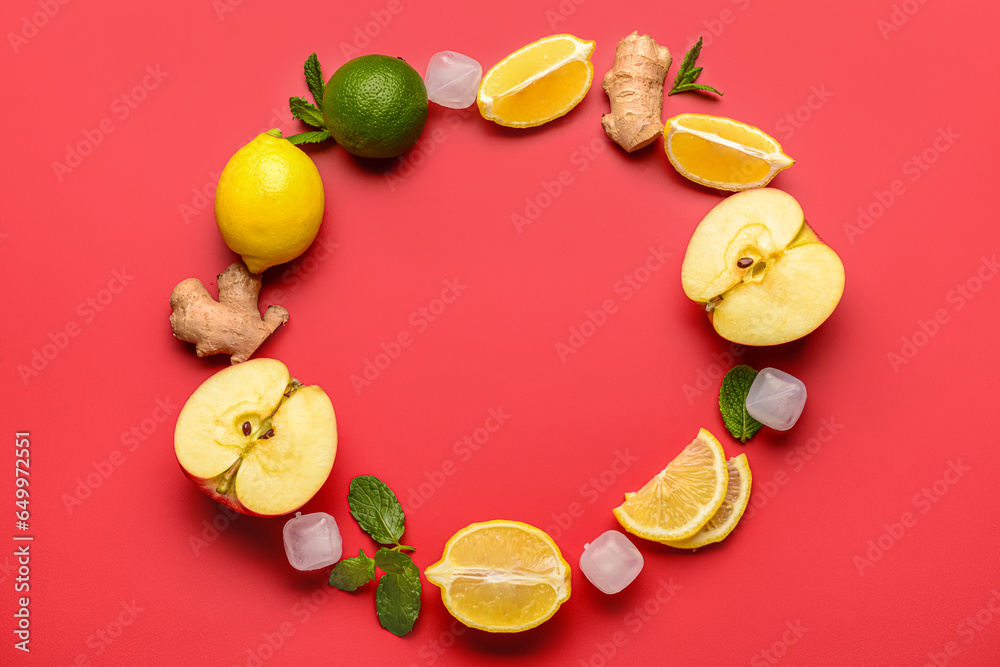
(376, 509)
(695, 86)
(306, 112)
(309, 137)
(397, 598)
(732, 402)
(314, 79)
(392, 561)
(688, 73)
(350, 574)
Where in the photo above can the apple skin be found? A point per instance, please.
(256, 440)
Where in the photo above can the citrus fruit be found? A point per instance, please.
(675, 504)
(537, 83)
(269, 202)
(723, 153)
(731, 510)
(501, 576)
(375, 106)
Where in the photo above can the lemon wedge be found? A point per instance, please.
(537, 83)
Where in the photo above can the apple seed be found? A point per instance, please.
(744, 262)
(246, 428)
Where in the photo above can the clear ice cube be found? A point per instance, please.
(776, 399)
(611, 562)
(452, 79)
(312, 541)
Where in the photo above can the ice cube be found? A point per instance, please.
(452, 79)
(776, 399)
(611, 562)
(312, 541)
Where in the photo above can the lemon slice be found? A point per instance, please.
(501, 576)
(723, 153)
(675, 504)
(731, 510)
(537, 83)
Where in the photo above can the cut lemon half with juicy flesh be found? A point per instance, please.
(675, 504)
(731, 510)
(723, 153)
(537, 83)
(501, 576)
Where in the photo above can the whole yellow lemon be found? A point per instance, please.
(269, 202)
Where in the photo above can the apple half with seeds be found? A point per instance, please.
(256, 440)
(761, 272)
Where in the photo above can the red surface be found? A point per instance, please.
(122, 560)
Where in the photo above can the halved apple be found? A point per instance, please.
(256, 440)
(764, 276)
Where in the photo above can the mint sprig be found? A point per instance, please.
(688, 74)
(377, 510)
(314, 79)
(397, 597)
(733, 402)
(350, 574)
(309, 113)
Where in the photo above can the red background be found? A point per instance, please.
(794, 582)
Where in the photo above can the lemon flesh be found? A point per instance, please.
(676, 503)
(501, 576)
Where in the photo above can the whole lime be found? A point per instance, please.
(375, 106)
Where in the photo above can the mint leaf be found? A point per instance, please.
(688, 74)
(397, 598)
(309, 137)
(350, 574)
(306, 112)
(732, 402)
(314, 79)
(376, 509)
(391, 561)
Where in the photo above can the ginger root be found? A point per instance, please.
(635, 88)
(232, 325)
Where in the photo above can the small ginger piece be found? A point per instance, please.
(635, 88)
(232, 325)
